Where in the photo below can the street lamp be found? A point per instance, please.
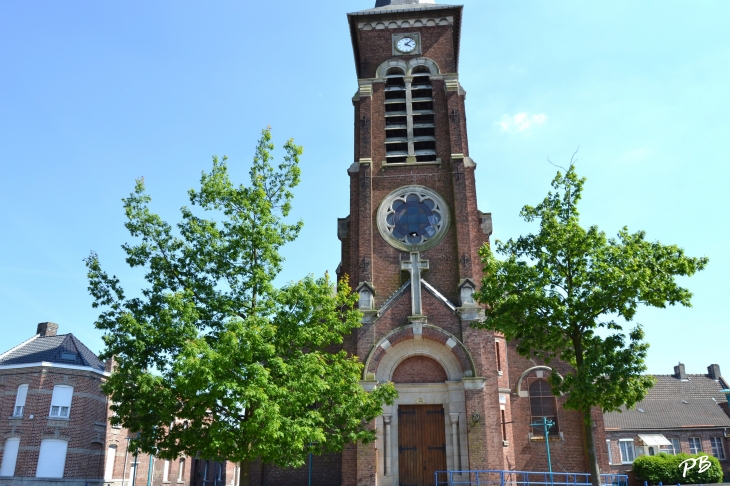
(546, 424)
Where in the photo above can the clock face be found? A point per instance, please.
(406, 44)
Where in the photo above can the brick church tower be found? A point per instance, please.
(410, 248)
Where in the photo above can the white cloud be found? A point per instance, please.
(521, 122)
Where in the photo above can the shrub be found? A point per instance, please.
(665, 468)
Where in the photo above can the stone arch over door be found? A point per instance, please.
(419, 339)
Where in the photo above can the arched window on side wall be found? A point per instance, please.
(543, 404)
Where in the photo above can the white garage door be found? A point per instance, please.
(10, 455)
(52, 459)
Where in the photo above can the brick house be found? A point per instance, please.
(410, 248)
(54, 423)
(681, 413)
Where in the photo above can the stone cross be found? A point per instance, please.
(415, 266)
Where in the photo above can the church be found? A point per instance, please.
(410, 248)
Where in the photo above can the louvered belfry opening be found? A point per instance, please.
(409, 122)
(396, 116)
(424, 141)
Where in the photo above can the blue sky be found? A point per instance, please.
(95, 94)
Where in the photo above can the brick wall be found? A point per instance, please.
(419, 369)
(84, 430)
(567, 453)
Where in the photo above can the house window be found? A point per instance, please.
(627, 450)
(695, 445)
(499, 356)
(671, 449)
(542, 404)
(113, 414)
(111, 455)
(610, 454)
(10, 456)
(61, 401)
(717, 448)
(52, 458)
(166, 472)
(181, 470)
(20, 401)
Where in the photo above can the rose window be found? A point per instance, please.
(413, 218)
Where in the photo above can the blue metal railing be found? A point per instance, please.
(524, 478)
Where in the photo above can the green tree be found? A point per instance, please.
(212, 358)
(565, 293)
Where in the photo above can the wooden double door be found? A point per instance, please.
(421, 444)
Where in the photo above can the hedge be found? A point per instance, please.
(665, 468)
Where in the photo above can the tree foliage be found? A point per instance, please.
(211, 357)
(565, 293)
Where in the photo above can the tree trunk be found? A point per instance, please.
(590, 448)
(244, 473)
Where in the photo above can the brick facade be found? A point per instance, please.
(84, 430)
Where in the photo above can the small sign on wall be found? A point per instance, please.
(420, 400)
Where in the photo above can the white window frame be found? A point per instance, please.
(621, 450)
(716, 444)
(166, 472)
(61, 401)
(10, 460)
(111, 457)
(133, 469)
(181, 470)
(20, 401)
(610, 454)
(692, 448)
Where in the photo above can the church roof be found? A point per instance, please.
(395, 6)
(673, 403)
(61, 349)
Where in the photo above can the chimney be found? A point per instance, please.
(714, 371)
(47, 329)
(679, 372)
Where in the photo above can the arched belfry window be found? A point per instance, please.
(409, 116)
(396, 116)
(543, 404)
(424, 140)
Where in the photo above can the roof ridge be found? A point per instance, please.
(6, 353)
